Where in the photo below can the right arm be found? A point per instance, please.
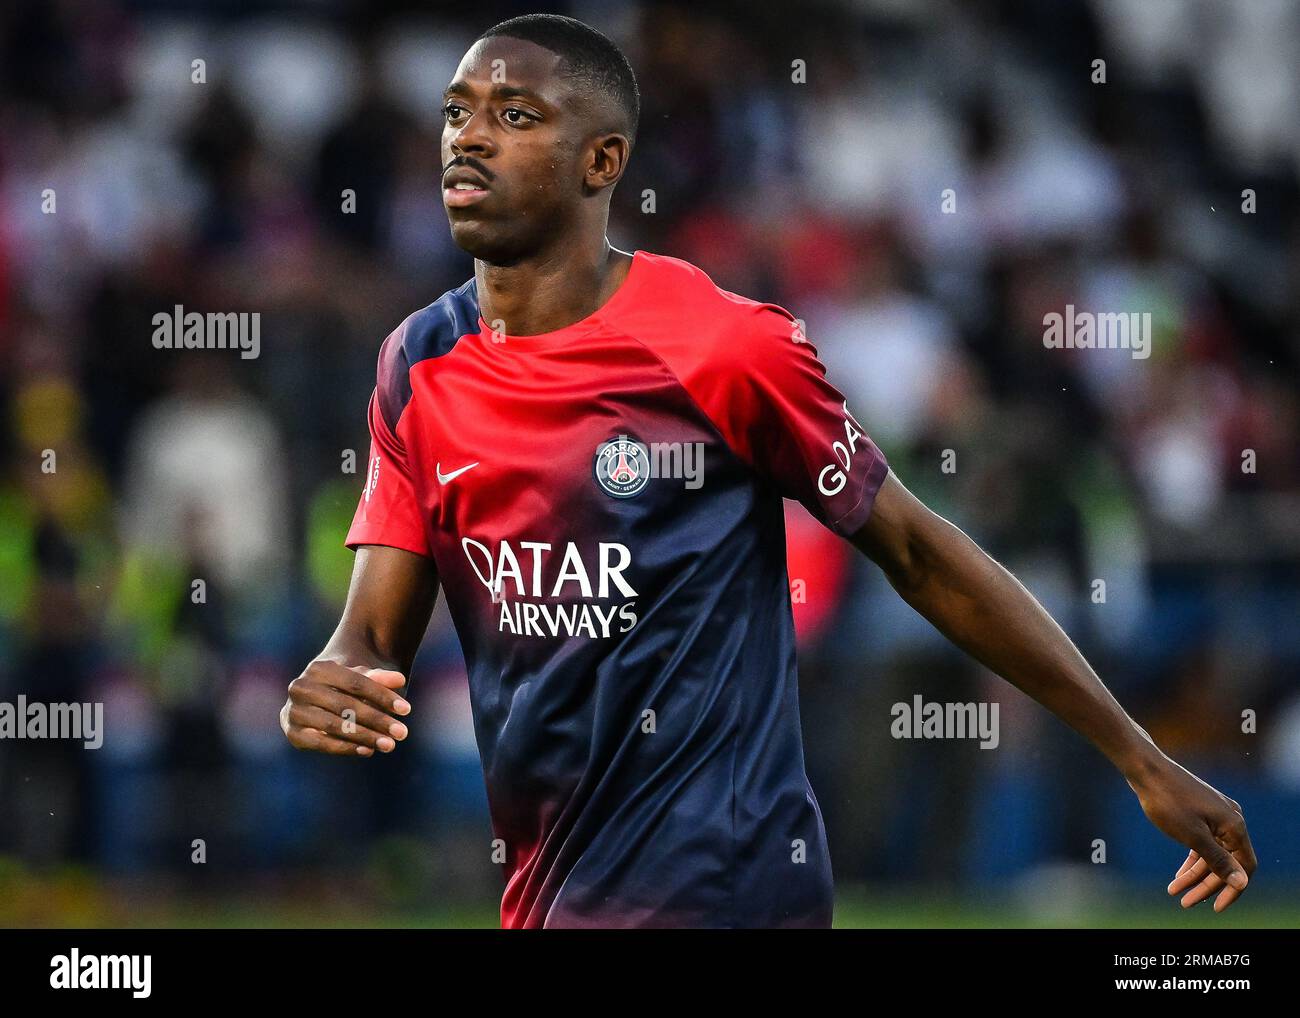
(347, 701)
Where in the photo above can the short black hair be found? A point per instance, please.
(585, 55)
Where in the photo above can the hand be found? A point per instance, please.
(1209, 823)
(334, 708)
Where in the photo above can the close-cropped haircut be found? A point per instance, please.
(586, 56)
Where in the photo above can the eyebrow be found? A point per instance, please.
(498, 91)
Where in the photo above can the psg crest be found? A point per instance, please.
(622, 466)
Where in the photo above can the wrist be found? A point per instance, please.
(1140, 760)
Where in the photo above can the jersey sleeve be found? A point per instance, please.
(389, 512)
(783, 416)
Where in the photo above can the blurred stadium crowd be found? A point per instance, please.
(825, 196)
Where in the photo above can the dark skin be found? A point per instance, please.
(541, 259)
(550, 154)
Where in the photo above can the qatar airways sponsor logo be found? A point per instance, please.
(552, 590)
(834, 476)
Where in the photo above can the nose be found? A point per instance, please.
(472, 138)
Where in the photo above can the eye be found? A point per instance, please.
(452, 110)
(517, 116)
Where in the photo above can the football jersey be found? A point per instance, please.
(603, 504)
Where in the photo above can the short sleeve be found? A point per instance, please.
(794, 427)
(389, 512)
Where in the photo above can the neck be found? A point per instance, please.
(550, 291)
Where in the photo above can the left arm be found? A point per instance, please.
(986, 612)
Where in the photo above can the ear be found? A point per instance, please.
(607, 157)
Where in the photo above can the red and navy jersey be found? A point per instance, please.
(603, 505)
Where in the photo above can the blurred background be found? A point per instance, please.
(826, 196)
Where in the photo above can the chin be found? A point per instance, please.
(481, 241)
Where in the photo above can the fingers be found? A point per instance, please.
(1189, 874)
(1220, 860)
(1201, 891)
(375, 686)
(350, 714)
(1237, 838)
(1213, 868)
(340, 727)
(1229, 895)
(340, 710)
(385, 677)
(1195, 874)
(1197, 880)
(310, 738)
(1207, 887)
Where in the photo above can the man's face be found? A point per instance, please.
(511, 150)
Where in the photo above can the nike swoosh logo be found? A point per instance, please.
(444, 478)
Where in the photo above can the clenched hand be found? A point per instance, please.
(342, 710)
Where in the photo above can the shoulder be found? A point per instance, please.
(425, 334)
(694, 324)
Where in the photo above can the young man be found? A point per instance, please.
(628, 635)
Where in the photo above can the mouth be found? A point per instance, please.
(463, 187)
(457, 196)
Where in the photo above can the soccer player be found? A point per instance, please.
(588, 451)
